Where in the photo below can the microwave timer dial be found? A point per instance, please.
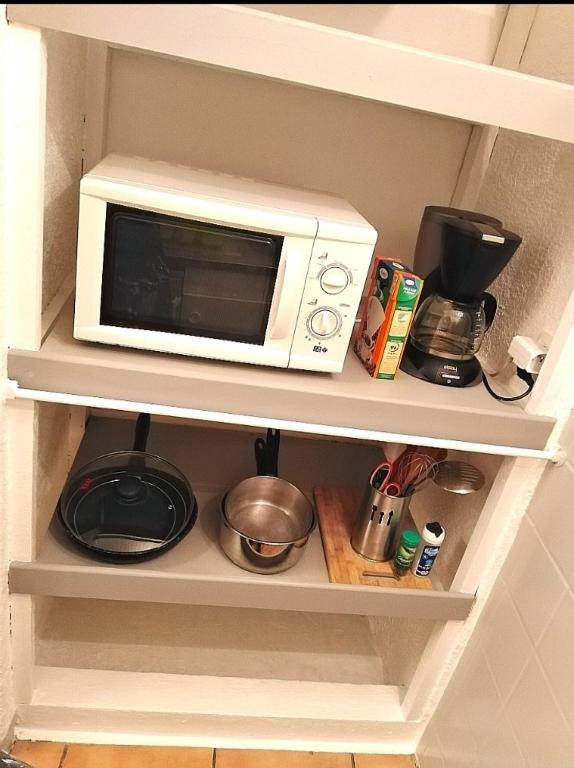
(324, 322)
(334, 278)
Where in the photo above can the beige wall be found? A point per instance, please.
(529, 186)
(65, 107)
(510, 702)
(387, 162)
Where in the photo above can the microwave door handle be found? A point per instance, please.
(287, 295)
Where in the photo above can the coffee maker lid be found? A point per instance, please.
(485, 232)
(442, 214)
(430, 240)
(474, 255)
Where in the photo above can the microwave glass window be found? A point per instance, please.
(164, 273)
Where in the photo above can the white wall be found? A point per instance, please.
(64, 105)
(510, 702)
(6, 703)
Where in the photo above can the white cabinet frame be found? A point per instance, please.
(322, 58)
(240, 38)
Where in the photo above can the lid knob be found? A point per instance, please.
(130, 488)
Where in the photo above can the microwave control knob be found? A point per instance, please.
(324, 322)
(334, 279)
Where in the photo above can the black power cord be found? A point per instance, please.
(522, 374)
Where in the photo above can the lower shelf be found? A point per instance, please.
(202, 695)
(196, 572)
(76, 705)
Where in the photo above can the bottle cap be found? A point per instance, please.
(435, 528)
(411, 538)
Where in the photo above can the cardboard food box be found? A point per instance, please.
(387, 317)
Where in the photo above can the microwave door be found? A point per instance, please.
(216, 290)
(289, 289)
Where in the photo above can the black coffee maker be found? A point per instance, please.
(455, 309)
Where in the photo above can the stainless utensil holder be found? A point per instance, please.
(377, 524)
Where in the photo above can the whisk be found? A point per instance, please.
(414, 471)
(415, 466)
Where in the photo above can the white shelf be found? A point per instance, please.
(270, 45)
(201, 694)
(179, 710)
(196, 572)
(346, 404)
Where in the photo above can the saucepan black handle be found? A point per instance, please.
(261, 456)
(142, 432)
(140, 441)
(273, 437)
(267, 453)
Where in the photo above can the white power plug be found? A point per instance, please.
(527, 353)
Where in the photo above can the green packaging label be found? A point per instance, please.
(409, 289)
(405, 556)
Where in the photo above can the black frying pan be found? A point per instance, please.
(128, 506)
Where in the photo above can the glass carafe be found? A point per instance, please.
(449, 329)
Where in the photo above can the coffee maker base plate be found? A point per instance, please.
(439, 370)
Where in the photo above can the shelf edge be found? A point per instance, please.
(101, 583)
(201, 695)
(66, 703)
(13, 390)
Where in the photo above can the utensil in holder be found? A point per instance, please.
(377, 524)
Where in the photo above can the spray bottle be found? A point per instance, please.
(431, 539)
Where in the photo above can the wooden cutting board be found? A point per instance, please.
(336, 510)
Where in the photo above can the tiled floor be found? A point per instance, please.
(48, 755)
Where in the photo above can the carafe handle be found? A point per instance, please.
(489, 304)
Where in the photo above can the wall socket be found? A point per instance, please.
(528, 354)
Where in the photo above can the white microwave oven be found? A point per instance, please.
(192, 262)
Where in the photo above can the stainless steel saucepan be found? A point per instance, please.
(265, 520)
